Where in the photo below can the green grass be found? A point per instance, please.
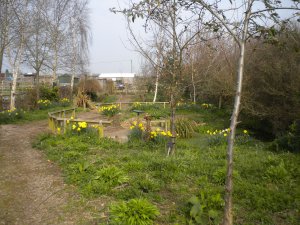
(266, 185)
(28, 116)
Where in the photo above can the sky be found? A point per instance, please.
(110, 50)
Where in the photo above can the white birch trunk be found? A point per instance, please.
(228, 216)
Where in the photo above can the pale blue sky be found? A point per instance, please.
(110, 50)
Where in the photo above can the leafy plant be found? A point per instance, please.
(110, 110)
(133, 212)
(185, 128)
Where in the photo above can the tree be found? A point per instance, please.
(15, 49)
(37, 39)
(178, 27)
(5, 26)
(79, 32)
(246, 25)
(57, 21)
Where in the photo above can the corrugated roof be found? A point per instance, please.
(117, 75)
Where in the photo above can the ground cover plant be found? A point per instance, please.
(186, 188)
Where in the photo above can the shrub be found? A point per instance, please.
(291, 140)
(49, 93)
(133, 212)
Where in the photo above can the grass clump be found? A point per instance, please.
(133, 212)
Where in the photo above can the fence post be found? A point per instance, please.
(164, 105)
(65, 125)
(100, 129)
(73, 113)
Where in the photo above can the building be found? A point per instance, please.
(120, 80)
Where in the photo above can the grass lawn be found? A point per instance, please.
(187, 188)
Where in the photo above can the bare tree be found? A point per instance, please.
(15, 49)
(57, 21)
(79, 32)
(246, 23)
(38, 39)
(179, 28)
(5, 26)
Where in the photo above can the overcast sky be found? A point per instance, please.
(110, 50)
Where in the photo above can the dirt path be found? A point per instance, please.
(32, 190)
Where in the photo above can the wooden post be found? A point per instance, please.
(164, 105)
(100, 130)
(65, 125)
(73, 113)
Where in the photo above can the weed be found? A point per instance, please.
(133, 212)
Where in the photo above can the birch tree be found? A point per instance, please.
(247, 15)
(15, 50)
(79, 33)
(5, 25)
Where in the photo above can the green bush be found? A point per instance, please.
(291, 140)
(133, 212)
(49, 93)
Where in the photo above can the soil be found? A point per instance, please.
(32, 190)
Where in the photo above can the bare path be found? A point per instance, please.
(32, 190)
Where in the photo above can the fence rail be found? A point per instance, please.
(58, 119)
(131, 103)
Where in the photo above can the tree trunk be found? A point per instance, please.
(171, 144)
(37, 84)
(1, 59)
(193, 83)
(13, 89)
(156, 86)
(228, 217)
(220, 101)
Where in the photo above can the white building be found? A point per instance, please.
(124, 78)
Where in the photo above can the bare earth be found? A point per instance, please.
(32, 190)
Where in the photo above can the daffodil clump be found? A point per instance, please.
(8, 116)
(44, 103)
(137, 105)
(64, 102)
(206, 106)
(110, 110)
(217, 137)
(79, 126)
(138, 131)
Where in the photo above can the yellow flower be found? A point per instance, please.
(74, 127)
(208, 131)
(140, 125)
(163, 133)
(169, 133)
(134, 123)
(225, 135)
(78, 129)
(131, 127)
(72, 118)
(245, 132)
(157, 129)
(58, 130)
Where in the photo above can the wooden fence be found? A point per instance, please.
(122, 104)
(60, 119)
